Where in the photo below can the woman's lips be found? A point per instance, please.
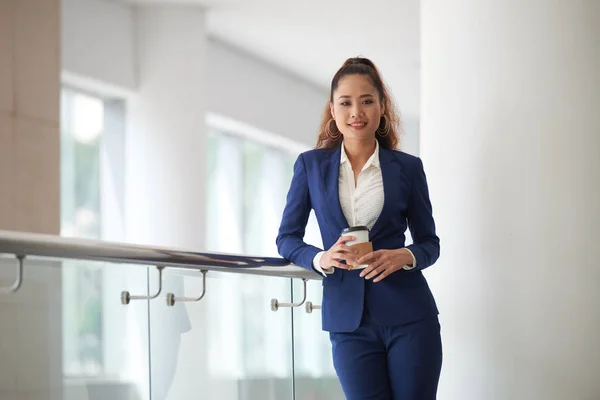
(357, 125)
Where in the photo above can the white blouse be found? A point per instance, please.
(361, 201)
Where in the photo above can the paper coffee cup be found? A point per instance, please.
(361, 242)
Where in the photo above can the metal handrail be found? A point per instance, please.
(58, 247)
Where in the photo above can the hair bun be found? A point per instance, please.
(361, 61)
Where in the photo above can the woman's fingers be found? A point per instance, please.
(372, 269)
(342, 248)
(344, 239)
(384, 273)
(341, 252)
(344, 257)
(370, 257)
(346, 253)
(340, 265)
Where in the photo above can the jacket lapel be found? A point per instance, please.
(331, 170)
(391, 174)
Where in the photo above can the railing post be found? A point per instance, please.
(19, 279)
(275, 304)
(126, 297)
(171, 299)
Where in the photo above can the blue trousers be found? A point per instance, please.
(389, 362)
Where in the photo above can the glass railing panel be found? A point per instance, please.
(30, 332)
(227, 346)
(105, 343)
(313, 365)
(65, 334)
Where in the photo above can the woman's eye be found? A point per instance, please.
(368, 102)
(345, 103)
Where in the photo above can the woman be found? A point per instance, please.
(383, 320)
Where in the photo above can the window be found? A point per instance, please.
(247, 184)
(82, 124)
(91, 207)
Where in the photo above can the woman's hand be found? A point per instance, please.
(337, 253)
(382, 263)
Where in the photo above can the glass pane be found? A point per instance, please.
(224, 208)
(228, 346)
(80, 165)
(248, 181)
(118, 366)
(80, 217)
(314, 373)
(39, 332)
(30, 331)
(104, 344)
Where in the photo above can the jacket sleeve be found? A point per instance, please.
(426, 244)
(290, 243)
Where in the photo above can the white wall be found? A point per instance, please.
(98, 42)
(261, 95)
(409, 139)
(510, 142)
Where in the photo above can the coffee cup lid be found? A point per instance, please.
(354, 229)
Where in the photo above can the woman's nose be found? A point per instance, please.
(356, 112)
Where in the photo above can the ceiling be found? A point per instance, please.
(312, 38)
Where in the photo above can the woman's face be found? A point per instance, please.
(356, 107)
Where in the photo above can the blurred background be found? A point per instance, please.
(177, 123)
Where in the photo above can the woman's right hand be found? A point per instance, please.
(337, 253)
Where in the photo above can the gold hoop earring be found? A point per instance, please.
(328, 131)
(386, 126)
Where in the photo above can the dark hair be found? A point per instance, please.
(362, 66)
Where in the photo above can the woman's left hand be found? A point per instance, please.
(384, 262)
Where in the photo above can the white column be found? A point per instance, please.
(165, 175)
(510, 138)
(165, 142)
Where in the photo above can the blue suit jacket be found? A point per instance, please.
(403, 296)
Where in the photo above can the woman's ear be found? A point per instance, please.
(331, 110)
